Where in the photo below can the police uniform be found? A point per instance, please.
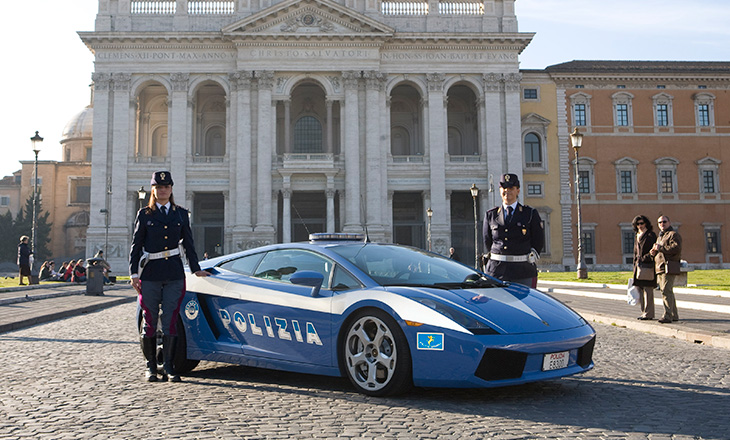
(510, 242)
(156, 241)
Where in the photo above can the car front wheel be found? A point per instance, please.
(376, 355)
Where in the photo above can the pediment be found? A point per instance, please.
(535, 119)
(302, 18)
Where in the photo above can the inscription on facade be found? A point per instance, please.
(165, 56)
(311, 53)
(435, 56)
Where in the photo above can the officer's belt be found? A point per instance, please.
(163, 254)
(510, 258)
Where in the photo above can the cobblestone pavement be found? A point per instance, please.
(82, 378)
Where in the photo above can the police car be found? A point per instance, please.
(388, 317)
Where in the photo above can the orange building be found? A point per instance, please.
(657, 142)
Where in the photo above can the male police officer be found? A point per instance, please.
(513, 236)
(158, 230)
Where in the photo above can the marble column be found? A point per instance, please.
(330, 193)
(373, 169)
(496, 160)
(513, 125)
(178, 142)
(351, 109)
(286, 216)
(264, 161)
(242, 146)
(437, 143)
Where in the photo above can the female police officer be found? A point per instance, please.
(158, 230)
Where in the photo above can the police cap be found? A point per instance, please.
(161, 178)
(509, 180)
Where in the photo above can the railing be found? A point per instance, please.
(150, 159)
(146, 7)
(533, 164)
(461, 7)
(195, 7)
(419, 7)
(208, 159)
(203, 7)
(407, 159)
(404, 7)
(471, 158)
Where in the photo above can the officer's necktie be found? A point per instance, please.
(163, 209)
(508, 217)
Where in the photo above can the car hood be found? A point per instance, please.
(514, 309)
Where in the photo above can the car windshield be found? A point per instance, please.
(393, 265)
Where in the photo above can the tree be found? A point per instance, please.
(23, 225)
(8, 243)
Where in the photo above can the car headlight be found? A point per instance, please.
(473, 325)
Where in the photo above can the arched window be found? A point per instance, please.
(215, 142)
(308, 135)
(533, 152)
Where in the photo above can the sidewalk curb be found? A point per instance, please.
(23, 323)
(697, 337)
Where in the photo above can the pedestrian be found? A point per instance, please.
(453, 255)
(160, 280)
(24, 254)
(644, 263)
(513, 236)
(105, 267)
(667, 252)
(46, 272)
(79, 272)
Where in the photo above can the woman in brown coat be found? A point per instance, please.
(645, 239)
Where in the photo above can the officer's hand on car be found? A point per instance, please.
(202, 273)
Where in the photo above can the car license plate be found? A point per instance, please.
(555, 361)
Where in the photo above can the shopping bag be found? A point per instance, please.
(632, 294)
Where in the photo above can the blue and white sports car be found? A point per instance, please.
(386, 316)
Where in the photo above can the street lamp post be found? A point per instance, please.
(429, 213)
(35, 141)
(576, 139)
(141, 194)
(474, 193)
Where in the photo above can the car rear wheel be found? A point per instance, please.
(376, 355)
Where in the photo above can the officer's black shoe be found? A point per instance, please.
(149, 348)
(168, 354)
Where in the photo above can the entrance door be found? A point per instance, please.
(408, 226)
(308, 214)
(208, 223)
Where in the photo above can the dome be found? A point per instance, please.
(80, 126)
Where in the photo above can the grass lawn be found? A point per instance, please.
(702, 279)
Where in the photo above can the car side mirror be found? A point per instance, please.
(308, 278)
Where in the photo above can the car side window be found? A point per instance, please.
(343, 280)
(281, 264)
(244, 265)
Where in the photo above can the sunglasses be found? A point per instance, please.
(662, 221)
(640, 223)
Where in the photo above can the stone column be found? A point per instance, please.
(121, 144)
(101, 151)
(437, 147)
(265, 147)
(352, 221)
(373, 169)
(496, 160)
(330, 193)
(329, 148)
(287, 126)
(286, 216)
(178, 145)
(513, 125)
(242, 147)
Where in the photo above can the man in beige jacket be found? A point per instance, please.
(668, 248)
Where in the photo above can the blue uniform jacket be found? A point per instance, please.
(155, 232)
(523, 232)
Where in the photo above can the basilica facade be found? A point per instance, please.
(279, 119)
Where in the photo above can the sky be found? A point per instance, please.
(47, 69)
